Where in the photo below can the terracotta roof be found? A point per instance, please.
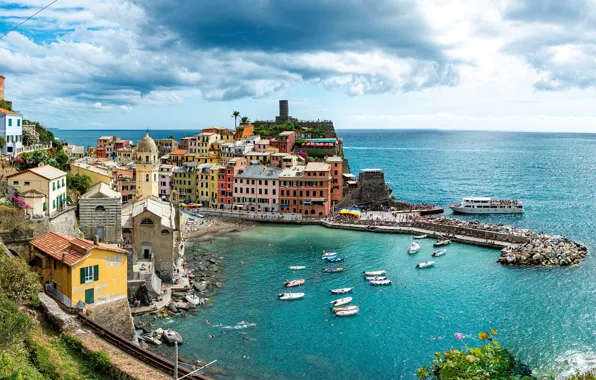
(3, 111)
(67, 249)
(178, 152)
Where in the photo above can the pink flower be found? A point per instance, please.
(459, 336)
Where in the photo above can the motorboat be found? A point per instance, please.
(414, 248)
(419, 237)
(440, 243)
(335, 259)
(333, 270)
(341, 301)
(439, 252)
(484, 205)
(297, 267)
(345, 308)
(425, 264)
(375, 278)
(381, 282)
(346, 313)
(341, 290)
(291, 284)
(328, 254)
(290, 296)
(191, 298)
(375, 272)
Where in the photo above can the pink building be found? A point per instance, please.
(165, 181)
(262, 146)
(225, 181)
(284, 142)
(257, 189)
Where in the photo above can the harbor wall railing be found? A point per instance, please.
(483, 234)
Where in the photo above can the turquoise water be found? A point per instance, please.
(546, 316)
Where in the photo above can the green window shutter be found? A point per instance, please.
(82, 275)
(96, 273)
(10, 122)
(18, 122)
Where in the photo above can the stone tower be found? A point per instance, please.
(147, 167)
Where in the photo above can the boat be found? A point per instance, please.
(151, 339)
(440, 243)
(485, 205)
(375, 278)
(297, 267)
(291, 284)
(341, 301)
(439, 252)
(341, 290)
(290, 296)
(414, 248)
(425, 264)
(191, 298)
(345, 308)
(346, 313)
(328, 254)
(418, 237)
(380, 282)
(335, 259)
(375, 272)
(333, 270)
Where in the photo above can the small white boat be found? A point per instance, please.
(346, 313)
(297, 267)
(151, 339)
(419, 237)
(328, 254)
(345, 308)
(414, 248)
(376, 278)
(439, 252)
(425, 264)
(341, 290)
(290, 284)
(341, 301)
(440, 243)
(290, 296)
(193, 299)
(375, 272)
(381, 282)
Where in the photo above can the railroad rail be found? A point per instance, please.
(138, 352)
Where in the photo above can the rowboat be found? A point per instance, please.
(333, 270)
(414, 248)
(341, 301)
(439, 252)
(290, 296)
(375, 278)
(375, 272)
(297, 267)
(341, 290)
(291, 284)
(344, 308)
(328, 254)
(418, 237)
(335, 259)
(425, 264)
(381, 282)
(347, 313)
(439, 243)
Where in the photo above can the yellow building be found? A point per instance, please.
(258, 158)
(184, 181)
(46, 179)
(213, 178)
(97, 174)
(147, 168)
(204, 142)
(79, 271)
(202, 174)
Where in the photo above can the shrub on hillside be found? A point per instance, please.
(17, 282)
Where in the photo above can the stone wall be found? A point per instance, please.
(470, 232)
(64, 223)
(115, 316)
(109, 218)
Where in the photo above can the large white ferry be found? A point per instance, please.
(482, 205)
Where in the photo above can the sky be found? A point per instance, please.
(519, 65)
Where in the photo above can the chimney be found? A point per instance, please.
(1, 87)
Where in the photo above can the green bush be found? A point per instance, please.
(590, 375)
(17, 282)
(14, 325)
(41, 360)
(99, 361)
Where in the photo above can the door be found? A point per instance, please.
(100, 233)
(89, 296)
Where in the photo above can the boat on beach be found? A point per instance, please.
(333, 270)
(380, 282)
(291, 284)
(439, 252)
(290, 296)
(375, 272)
(297, 267)
(341, 290)
(440, 243)
(425, 264)
(346, 313)
(335, 259)
(414, 248)
(375, 278)
(341, 301)
(345, 308)
(484, 205)
(419, 237)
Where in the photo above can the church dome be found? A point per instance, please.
(147, 145)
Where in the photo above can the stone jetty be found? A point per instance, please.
(544, 250)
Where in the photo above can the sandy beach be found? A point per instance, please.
(205, 229)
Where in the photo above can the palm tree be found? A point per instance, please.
(235, 115)
(244, 120)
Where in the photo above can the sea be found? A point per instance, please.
(545, 316)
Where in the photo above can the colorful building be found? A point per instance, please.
(243, 131)
(78, 271)
(177, 157)
(184, 182)
(11, 128)
(225, 183)
(165, 181)
(46, 179)
(165, 146)
(284, 142)
(256, 188)
(203, 196)
(258, 158)
(306, 189)
(336, 164)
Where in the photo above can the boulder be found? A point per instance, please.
(143, 295)
(171, 337)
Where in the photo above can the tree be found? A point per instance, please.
(244, 120)
(235, 115)
(61, 159)
(13, 324)
(80, 183)
(171, 137)
(17, 282)
(5, 105)
(2, 142)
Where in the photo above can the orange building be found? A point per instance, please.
(306, 189)
(336, 165)
(243, 131)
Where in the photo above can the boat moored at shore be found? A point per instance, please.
(290, 296)
(346, 313)
(439, 252)
(333, 270)
(341, 301)
(341, 290)
(425, 264)
(375, 272)
(485, 205)
(440, 243)
(414, 248)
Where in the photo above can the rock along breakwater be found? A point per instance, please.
(545, 250)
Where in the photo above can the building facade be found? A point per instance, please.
(256, 188)
(306, 190)
(100, 214)
(225, 183)
(11, 128)
(147, 167)
(46, 179)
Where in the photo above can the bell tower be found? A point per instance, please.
(147, 168)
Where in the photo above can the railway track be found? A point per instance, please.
(139, 353)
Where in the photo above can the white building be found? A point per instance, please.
(11, 128)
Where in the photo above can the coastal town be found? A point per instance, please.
(106, 227)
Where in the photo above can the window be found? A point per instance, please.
(18, 122)
(15, 182)
(27, 183)
(100, 208)
(53, 185)
(165, 232)
(146, 177)
(89, 274)
(53, 203)
(146, 222)
(10, 122)
(63, 183)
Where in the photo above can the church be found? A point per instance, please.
(149, 225)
